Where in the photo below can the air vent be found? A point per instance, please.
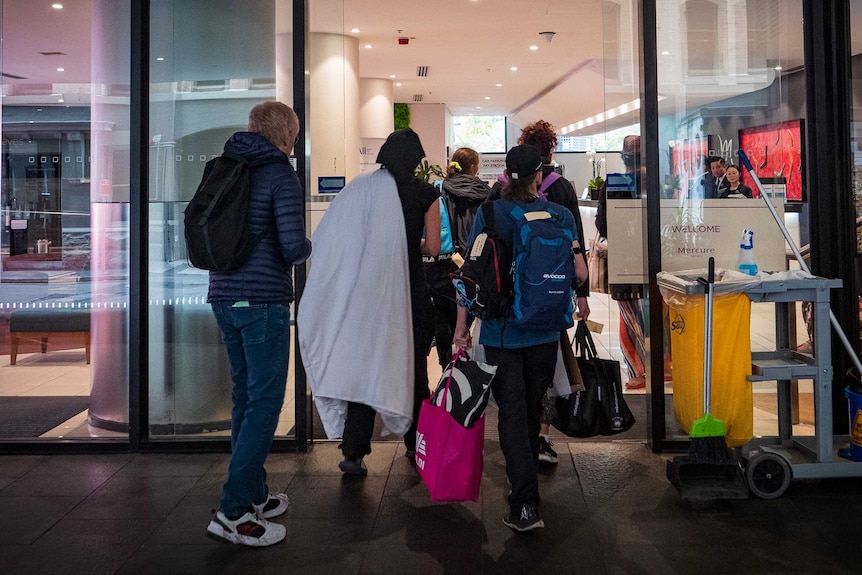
(53, 53)
(418, 97)
(422, 71)
(13, 76)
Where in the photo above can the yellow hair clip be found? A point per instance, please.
(455, 165)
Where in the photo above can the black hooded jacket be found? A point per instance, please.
(400, 155)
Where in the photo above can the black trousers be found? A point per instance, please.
(523, 376)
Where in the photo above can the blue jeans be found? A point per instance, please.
(257, 338)
(523, 376)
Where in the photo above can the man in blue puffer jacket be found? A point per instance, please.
(252, 308)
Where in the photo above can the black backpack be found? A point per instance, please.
(484, 282)
(216, 219)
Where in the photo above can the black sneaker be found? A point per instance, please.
(353, 467)
(527, 520)
(546, 453)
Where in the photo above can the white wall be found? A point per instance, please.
(430, 121)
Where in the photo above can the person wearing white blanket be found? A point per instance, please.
(364, 320)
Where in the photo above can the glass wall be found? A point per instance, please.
(856, 127)
(210, 63)
(64, 239)
(731, 82)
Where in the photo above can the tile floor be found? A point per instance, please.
(607, 506)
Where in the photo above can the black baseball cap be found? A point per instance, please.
(523, 161)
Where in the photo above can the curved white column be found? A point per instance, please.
(333, 110)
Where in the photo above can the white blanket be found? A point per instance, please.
(354, 324)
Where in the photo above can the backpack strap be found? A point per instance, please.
(547, 181)
(488, 214)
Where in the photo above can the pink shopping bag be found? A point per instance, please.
(449, 456)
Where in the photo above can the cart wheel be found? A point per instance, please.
(768, 475)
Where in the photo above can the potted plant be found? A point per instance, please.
(596, 183)
(425, 170)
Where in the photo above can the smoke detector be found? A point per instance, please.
(548, 36)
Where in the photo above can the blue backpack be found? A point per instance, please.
(543, 269)
(446, 244)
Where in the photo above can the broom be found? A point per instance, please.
(708, 441)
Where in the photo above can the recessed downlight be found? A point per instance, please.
(534, 47)
(499, 85)
(160, 59)
(57, 6)
(356, 30)
(368, 45)
(514, 68)
(61, 69)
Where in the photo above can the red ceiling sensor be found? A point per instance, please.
(403, 41)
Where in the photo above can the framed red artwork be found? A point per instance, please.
(686, 157)
(776, 151)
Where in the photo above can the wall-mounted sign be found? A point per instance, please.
(330, 184)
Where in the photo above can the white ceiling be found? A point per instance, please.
(470, 46)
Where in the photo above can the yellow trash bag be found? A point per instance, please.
(731, 363)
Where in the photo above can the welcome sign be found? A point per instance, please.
(692, 231)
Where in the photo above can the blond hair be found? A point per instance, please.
(274, 121)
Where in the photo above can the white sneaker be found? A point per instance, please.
(275, 505)
(248, 530)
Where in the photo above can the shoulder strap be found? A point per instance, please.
(488, 214)
(547, 181)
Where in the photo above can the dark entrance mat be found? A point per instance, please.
(31, 416)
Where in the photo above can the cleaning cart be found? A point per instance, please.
(771, 462)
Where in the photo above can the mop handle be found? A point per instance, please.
(709, 291)
(743, 158)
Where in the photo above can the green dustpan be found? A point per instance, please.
(707, 426)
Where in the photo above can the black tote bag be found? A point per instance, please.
(601, 408)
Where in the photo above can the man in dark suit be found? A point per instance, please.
(714, 182)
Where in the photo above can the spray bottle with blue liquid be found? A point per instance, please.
(745, 263)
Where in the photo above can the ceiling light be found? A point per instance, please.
(514, 68)
(356, 30)
(61, 69)
(499, 85)
(57, 6)
(160, 59)
(665, 53)
(397, 83)
(487, 97)
(778, 68)
(548, 36)
(534, 47)
(391, 75)
(368, 45)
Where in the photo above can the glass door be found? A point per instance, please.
(64, 238)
